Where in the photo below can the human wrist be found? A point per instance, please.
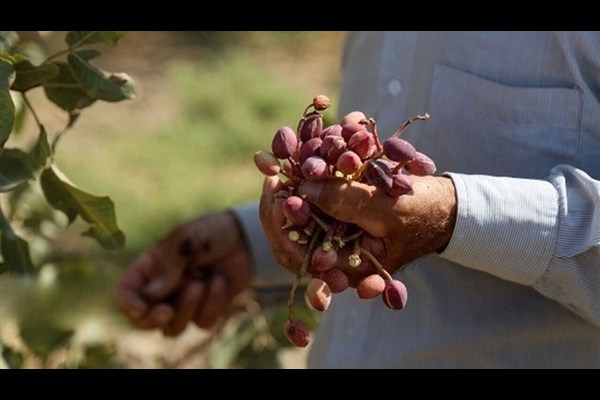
(436, 202)
(448, 209)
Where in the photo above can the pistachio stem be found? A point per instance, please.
(356, 247)
(409, 121)
(295, 180)
(355, 235)
(398, 132)
(386, 275)
(319, 221)
(293, 162)
(300, 275)
(306, 110)
(358, 174)
(287, 224)
(373, 124)
(397, 168)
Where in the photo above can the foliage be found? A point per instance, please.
(72, 85)
(71, 82)
(189, 155)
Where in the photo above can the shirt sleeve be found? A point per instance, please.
(268, 273)
(541, 233)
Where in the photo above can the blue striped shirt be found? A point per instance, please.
(515, 122)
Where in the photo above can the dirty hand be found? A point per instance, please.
(191, 274)
(400, 229)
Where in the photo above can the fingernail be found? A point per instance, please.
(309, 190)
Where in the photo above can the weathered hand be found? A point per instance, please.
(400, 229)
(191, 274)
(289, 254)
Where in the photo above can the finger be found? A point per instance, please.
(352, 202)
(215, 304)
(165, 275)
(270, 213)
(127, 294)
(158, 316)
(271, 185)
(130, 302)
(338, 197)
(287, 253)
(211, 238)
(185, 307)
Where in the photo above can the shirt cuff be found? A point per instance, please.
(268, 273)
(505, 226)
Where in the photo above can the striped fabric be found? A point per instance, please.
(516, 124)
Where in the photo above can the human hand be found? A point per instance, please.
(401, 228)
(191, 274)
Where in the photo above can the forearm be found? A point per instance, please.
(540, 233)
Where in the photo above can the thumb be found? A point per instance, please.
(347, 201)
(164, 274)
(196, 245)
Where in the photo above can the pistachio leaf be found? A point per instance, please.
(98, 84)
(7, 108)
(64, 90)
(98, 211)
(29, 76)
(14, 250)
(78, 38)
(14, 169)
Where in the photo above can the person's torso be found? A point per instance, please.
(503, 104)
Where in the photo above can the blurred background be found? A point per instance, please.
(206, 101)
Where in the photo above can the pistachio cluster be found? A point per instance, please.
(351, 150)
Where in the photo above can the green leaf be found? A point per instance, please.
(38, 155)
(78, 38)
(14, 250)
(14, 169)
(225, 354)
(17, 167)
(19, 122)
(43, 337)
(98, 84)
(64, 90)
(7, 108)
(99, 212)
(253, 357)
(99, 355)
(29, 76)
(88, 54)
(12, 358)
(13, 58)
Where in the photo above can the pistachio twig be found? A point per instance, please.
(382, 271)
(409, 121)
(300, 275)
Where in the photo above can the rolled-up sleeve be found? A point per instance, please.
(541, 233)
